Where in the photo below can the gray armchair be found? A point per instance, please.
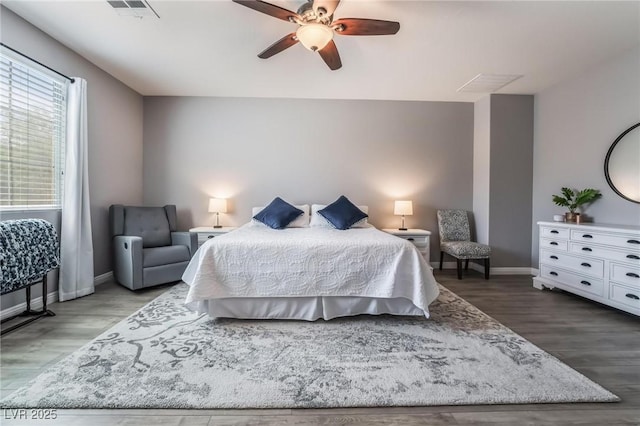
(147, 250)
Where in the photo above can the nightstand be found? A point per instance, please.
(419, 238)
(207, 232)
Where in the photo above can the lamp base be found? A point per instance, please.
(217, 226)
(402, 229)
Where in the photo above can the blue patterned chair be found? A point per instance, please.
(455, 240)
(29, 249)
(147, 250)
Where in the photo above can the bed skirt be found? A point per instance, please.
(303, 308)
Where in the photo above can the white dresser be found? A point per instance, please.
(599, 262)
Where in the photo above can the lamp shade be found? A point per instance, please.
(314, 36)
(403, 208)
(217, 205)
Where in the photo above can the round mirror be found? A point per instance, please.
(622, 164)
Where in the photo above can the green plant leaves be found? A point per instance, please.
(574, 199)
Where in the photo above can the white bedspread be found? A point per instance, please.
(257, 261)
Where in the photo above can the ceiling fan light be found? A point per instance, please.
(314, 36)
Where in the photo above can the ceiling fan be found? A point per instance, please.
(316, 28)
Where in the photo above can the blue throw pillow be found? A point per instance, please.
(342, 213)
(278, 214)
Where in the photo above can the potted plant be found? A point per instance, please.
(573, 199)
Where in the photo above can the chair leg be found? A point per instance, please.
(466, 264)
(459, 264)
(486, 268)
(441, 257)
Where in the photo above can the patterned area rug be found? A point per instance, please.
(164, 356)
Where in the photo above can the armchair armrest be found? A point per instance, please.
(189, 239)
(127, 260)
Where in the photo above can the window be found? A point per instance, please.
(32, 136)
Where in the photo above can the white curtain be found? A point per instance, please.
(76, 247)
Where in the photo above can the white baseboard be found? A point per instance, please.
(103, 278)
(512, 271)
(51, 298)
(493, 271)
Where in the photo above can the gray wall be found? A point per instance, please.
(511, 180)
(307, 151)
(502, 172)
(115, 136)
(575, 124)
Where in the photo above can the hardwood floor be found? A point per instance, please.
(600, 342)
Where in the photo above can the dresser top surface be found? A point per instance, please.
(407, 232)
(594, 226)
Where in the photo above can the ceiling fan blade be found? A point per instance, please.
(328, 5)
(269, 9)
(358, 26)
(331, 56)
(277, 47)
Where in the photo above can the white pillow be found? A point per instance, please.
(301, 221)
(317, 220)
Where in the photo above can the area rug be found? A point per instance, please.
(164, 356)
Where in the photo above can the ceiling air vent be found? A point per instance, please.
(136, 8)
(488, 83)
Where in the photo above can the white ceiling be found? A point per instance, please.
(209, 48)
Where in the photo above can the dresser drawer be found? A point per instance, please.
(579, 282)
(204, 236)
(625, 274)
(554, 233)
(584, 265)
(585, 249)
(618, 241)
(554, 244)
(625, 295)
(421, 243)
(418, 241)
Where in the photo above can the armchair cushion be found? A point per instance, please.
(465, 249)
(156, 256)
(454, 225)
(150, 223)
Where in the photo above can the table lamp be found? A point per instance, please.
(217, 206)
(403, 208)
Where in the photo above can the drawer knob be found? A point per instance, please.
(210, 236)
(632, 296)
(632, 275)
(554, 257)
(632, 256)
(633, 241)
(585, 282)
(586, 265)
(555, 274)
(587, 236)
(553, 243)
(553, 231)
(586, 249)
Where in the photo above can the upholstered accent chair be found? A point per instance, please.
(455, 240)
(147, 250)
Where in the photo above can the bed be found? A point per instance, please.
(308, 273)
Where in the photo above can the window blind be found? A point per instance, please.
(32, 118)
